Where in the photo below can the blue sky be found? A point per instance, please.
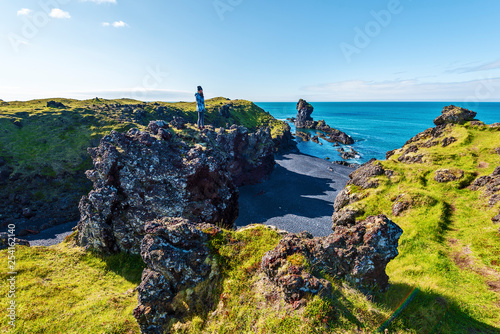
(321, 50)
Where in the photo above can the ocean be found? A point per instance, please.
(376, 127)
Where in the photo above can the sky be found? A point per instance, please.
(259, 50)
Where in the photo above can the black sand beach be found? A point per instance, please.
(298, 196)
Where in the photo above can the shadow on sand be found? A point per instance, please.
(294, 200)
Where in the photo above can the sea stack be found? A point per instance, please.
(305, 121)
(304, 111)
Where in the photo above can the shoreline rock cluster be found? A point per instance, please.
(305, 121)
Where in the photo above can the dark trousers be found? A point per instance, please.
(201, 118)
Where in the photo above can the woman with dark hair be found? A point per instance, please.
(200, 107)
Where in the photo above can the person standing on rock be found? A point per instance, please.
(200, 107)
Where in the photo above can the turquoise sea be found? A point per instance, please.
(377, 127)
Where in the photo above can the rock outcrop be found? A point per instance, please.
(305, 121)
(248, 156)
(284, 142)
(433, 136)
(140, 176)
(358, 253)
(36, 195)
(448, 175)
(181, 279)
(490, 186)
(225, 110)
(351, 154)
(54, 104)
(363, 177)
(455, 115)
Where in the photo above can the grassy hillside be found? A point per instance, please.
(36, 139)
(61, 289)
(43, 150)
(450, 249)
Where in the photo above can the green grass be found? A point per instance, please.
(250, 304)
(54, 141)
(450, 249)
(61, 289)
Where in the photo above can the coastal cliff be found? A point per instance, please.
(417, 230)
(43, 148)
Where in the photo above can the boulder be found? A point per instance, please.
(454, 115)
(357, 253)
(448, 141)
(352, 154)
(490, 185)
(345, 217)
(448, 175)
(303, 135)
(54, 104)
(225, 110)
(341, 137)
(178, 122)
(160, 128)
(345, 163)
(400, 206)
(363, 176)
(139, 176)
(181, 279)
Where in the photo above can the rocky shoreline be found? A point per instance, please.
(323, 130)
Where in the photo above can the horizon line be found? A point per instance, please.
(263, 101)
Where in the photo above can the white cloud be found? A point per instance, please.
(100, 1)
(478, 90)
(119, 24)
(493, 65)
(59, 14)
(24, 12)
(116, 24)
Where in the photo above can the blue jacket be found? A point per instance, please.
(200, 102)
